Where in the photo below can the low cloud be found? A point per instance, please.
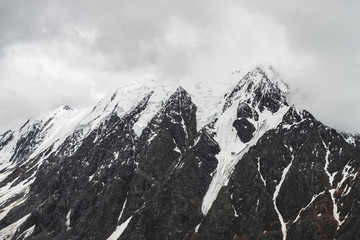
(54, 53)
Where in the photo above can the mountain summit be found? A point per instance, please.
(261, 87)
(157, 161)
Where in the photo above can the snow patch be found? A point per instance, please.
(197, 228)
(122, 209)
(235, 212)
(261, 176)
(119, 230)
(304, 208)
(326, 167)
(331, 180)
(350, 139)
(176, 148)
(346, 173)
(275, 195)
(335, 208)
(91, 177)
(67, 223)
(155, 103)
(28, 232)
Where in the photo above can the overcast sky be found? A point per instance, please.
(64, 52)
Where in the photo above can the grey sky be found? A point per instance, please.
(54, 53)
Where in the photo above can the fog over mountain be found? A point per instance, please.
(55, 53)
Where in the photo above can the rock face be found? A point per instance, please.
(244, 129)
(137, 167)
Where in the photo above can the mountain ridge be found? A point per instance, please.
(140, 166)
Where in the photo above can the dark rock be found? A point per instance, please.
(244, 111)
(245, 129)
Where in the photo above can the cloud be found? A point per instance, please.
(72, 52)
(325, 31)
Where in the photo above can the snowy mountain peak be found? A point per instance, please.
(263, 74)
(260, 88)
(181, 93)
(265, 77)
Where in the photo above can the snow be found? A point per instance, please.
(261, 176)
(176, 148)
(196, 141)
(179, 165)
(197, 228)
(122, 101)
(229, 142)
(119, 230)
(275, 195)
(346, 191)
(294, 125)
(331, 180)
(335, 208)
(209, 98)
(91, 177)
(122, 209)
(346, 173)
(326, 167)
(157, 99)
(28, 232)
(62, 124)
(151, 137)
(67, 223)
(5, 174)
(235, 212)
(304, 208)
(54, 127)
(58, 125)
(6, 210)
(350, 139)
(8, 191)
(9, 231)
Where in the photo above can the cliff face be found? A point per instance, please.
(136, 167)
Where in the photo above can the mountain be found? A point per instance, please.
(228, 161)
